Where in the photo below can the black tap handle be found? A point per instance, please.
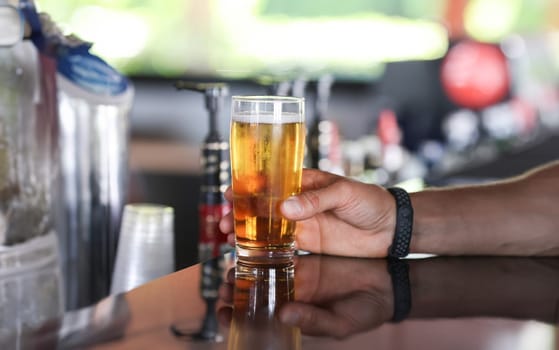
(214, 94)
(221, 88)
(215, 171)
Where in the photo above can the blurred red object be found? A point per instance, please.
(388, 129)
(526, 115)
(475, 75)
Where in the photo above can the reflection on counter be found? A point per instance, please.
(321, 302)
(79, 329)
(210, 280)
(259, 294)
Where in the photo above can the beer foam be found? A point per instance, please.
(267, 118)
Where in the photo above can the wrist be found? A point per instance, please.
(429, 223)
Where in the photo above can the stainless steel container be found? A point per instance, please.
(92, 102)
(94, 170)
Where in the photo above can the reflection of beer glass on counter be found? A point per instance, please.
(259, 294)
(267, 149)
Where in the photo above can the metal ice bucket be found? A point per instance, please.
(94, 170)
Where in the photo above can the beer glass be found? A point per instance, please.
(267, 149)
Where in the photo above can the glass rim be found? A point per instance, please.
(267, 98)
(148, 208)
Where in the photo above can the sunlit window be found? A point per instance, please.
(248, 38)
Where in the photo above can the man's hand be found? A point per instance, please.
(336, 215)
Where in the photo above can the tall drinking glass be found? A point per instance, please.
(267, 149)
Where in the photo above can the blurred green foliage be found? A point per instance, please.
(206, 37)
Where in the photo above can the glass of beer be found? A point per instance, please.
(267, 149)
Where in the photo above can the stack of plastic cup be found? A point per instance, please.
(145, 247)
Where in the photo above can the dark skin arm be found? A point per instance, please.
(517, 217)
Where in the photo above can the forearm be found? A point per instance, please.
(515, 217)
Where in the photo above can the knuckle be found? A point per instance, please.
(345, 193)
(344, 187)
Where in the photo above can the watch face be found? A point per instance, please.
(11, 25)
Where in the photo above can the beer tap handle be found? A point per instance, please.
(222, 88)
(298, 87)
(214, 93)
(216, 172)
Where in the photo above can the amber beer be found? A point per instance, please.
(267, 149)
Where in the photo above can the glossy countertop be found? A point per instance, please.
(343, 303)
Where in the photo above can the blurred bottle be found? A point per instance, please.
(299, 87)
(399, 164)
(354, 155)
(259, 294)
(323, 140)
(461, 130)
(510, 124)
(390, 136)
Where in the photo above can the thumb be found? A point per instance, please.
(310, 203)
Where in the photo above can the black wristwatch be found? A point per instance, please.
(404, 223)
